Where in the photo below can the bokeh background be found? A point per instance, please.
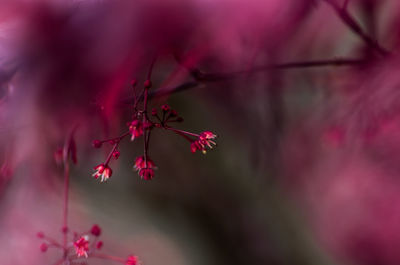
(306, 170)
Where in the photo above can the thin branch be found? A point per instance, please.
(169, 90)
(355, 27)
(202, 77)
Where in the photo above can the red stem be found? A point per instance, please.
(66, 150)
(111, 153)
(118, 139)
(66, 193)
(181, 131)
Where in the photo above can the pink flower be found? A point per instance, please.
(140, 163)
(146, 173)
(136, 129)
(145, 167)
(102, 171)
(132, 260)
(82, 246)
(205, 140)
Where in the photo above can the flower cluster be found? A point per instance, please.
(82, 246)
(141, 126)
(75, 246)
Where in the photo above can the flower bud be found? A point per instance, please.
(96, 143)
(96, 230)
(165, 107)
(99, 245)
(147, 84)
(44, 247)
(116, 154)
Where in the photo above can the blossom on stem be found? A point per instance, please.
(82, 246)
(205, 139)
(102, 171)
(145, 167)
(146, 173)
(136, 129)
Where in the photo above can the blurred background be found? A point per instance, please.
(306, 170)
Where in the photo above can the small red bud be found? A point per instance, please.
(99, 245)
(96, 143)
(116, 154)
(165, 108)
(64, 229)
(44, 247)
(133, 82)
(154, 112)
(96, 230)
(173, 113)
(147, 84)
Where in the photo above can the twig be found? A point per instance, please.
(213, 77)
(355, 27)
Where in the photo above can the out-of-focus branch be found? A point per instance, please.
(170, 90)
(345, 3)
(355, 27)
(201, 77)
(210, 77)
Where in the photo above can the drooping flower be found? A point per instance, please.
(82, 246)
(136, 129)
(141, 163)
(145, 167)
(146, 173)
(132, 260)
(102, 171)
